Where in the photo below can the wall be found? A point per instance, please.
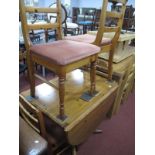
(75, 3)
(90, 3)
(131, 2)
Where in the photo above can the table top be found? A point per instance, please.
(76, 109)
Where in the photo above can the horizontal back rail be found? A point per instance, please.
(113, 14)
(30, 123)
(43, 26)
(27, 104)
(23, 110)
(40, 10)
(29, 113)
(111, 29)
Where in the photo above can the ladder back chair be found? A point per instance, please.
(106, 44)
(61, 56)
(32, 116)
(28, 140)
(41, 124)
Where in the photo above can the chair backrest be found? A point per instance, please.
(113, 15)
(28, 27)
(32, 116)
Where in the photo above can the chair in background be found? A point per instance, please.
(88, 20)
(129, 18)
(106, 44)
(37, 121)
(69, 27)
(97, 19)
(61, 56)
(75, 13)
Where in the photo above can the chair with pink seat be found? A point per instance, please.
(61, 56)
(106, 44)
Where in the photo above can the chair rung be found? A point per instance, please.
(114, 14)
(119, 1)
(44, 80)
(111, 29)
(102, 74)
(43, 26)
(40, 10)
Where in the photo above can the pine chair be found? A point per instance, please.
(61, 56)
(106, 44)
(29, 140)
(41, 124)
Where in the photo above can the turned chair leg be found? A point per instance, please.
(93, 77)
(31, 76)
(61, 96)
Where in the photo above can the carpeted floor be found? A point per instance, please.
(118, 137)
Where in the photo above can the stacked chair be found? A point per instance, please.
(61, 56)
(106, 44)
(41, 125)
(30, 140)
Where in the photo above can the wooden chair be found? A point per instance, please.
(29, 140)
(97, 18)
(129, 18)
(61, 56)
(75, 12)
(88, 20)
(69, 27)
(106, 44)
(41, 124)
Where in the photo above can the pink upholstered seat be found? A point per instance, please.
(88, 38)
(64, 52)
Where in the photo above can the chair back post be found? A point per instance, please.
(101, 23)
(59, 19)
(119, 24)
(23, 18)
